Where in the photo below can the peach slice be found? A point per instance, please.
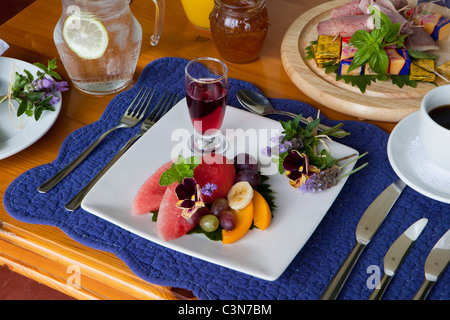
(262, 215)
(244, 220)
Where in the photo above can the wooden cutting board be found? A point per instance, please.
(382, 101)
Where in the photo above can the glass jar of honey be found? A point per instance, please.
(239, 28)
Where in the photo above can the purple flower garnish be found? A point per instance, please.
(309, 185)
(285, 146)
(208, 189)
(280, 146)
(298, 169)
(190, 197)
(49, 86)
(267, 151)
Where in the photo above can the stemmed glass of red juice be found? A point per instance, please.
(206, 84)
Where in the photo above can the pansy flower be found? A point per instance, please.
(190, 197)
(298, 169)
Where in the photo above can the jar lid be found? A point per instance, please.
(240, 5)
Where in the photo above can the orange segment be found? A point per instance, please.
(244, 220)
(262, 214)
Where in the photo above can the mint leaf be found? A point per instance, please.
(370, 46)
(421, 55)
(381, 20)
(168, 177)
(379, 61)
(48, 70)
(310, 126)
(393, 32)
(180, 169)
(23, 106)
(360, 38)
(360, 58)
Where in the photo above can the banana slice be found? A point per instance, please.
(240, 195)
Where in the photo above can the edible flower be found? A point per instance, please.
(34, 95)
(208, 189)
(297, 168)
(190, 197)
(281, 145)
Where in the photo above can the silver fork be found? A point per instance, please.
(132, 116)
(164, 104)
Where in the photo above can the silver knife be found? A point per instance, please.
(396, 254)
(367, 226)
(435, 264)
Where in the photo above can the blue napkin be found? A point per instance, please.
(313, 267)
(444, 3)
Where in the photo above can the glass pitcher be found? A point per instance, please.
(99, 42)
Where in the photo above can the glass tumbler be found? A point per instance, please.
(206, 85)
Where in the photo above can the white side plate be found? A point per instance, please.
(13, 139)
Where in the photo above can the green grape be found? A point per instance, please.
(209, 223)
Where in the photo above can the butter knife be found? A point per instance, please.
(367, 226)
(396, 255)
(435, 264)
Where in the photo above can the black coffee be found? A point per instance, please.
(441, 115)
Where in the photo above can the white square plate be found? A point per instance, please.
(261, 253)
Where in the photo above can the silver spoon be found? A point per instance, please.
(257, 103)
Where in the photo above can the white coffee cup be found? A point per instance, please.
(435, 138)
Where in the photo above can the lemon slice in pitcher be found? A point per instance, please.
(87, 37)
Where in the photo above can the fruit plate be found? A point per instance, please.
(257, 253)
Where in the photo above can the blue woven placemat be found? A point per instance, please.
(313, 267)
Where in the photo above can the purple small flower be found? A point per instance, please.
(54, 100)
(285, 146)
(49, 86)
(47, 83)
(61, 86)
(279, 148)
(208, 189)
(267, 151)
(308, 186)
(277, 139)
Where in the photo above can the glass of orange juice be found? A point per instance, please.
(198, 11)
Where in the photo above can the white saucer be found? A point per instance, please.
(412, 165)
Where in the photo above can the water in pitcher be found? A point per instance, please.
(99, 44)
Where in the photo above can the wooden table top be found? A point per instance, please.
(45, 253)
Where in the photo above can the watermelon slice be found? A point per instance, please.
(218, 170)
(170, 224)
(149, 196)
